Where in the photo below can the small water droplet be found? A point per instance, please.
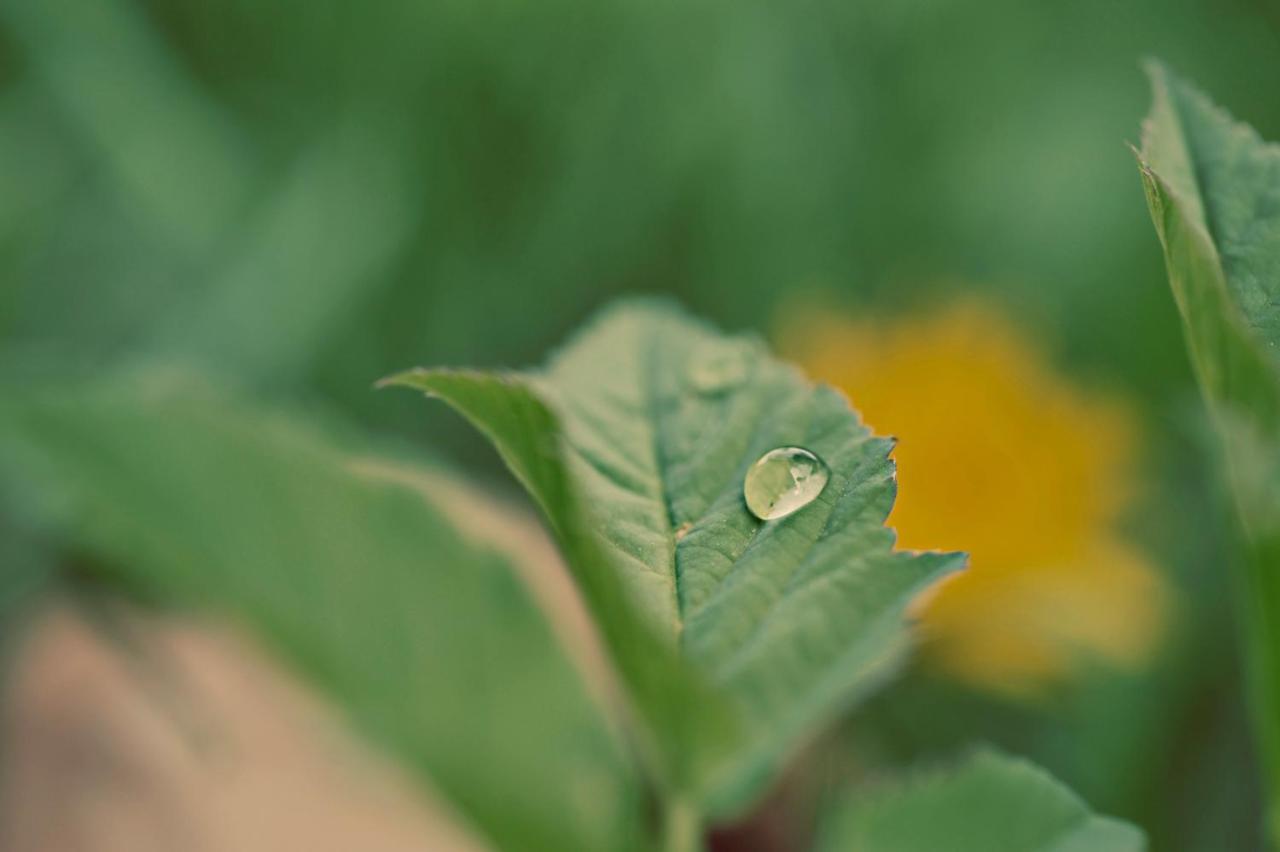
(721, 367)
(783, 481)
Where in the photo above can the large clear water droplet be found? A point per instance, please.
(783, 481)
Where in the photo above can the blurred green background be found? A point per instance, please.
(302, 197)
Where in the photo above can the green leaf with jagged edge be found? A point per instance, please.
(635, 440)
(987, 803)
(1213, 187)
(353, 570)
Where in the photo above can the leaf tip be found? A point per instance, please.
(1155, 69)
(395, 379)
(416, 378)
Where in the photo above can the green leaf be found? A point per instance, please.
(1213, 187)
(988, 803)
(634, 441)
(348, 568)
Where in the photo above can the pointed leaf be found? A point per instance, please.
(635, 440)
(1213, 187)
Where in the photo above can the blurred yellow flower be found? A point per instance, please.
(1000, 456)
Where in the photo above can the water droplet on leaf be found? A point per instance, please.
(782, 481)
(722, 367)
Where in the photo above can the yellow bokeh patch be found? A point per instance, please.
(1001, 456)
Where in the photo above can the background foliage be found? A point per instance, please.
(295, 199)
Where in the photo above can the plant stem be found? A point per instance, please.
(681, 827)
(1259, 605)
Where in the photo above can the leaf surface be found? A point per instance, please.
(1213, 188)
(635, 440)
(988, 803)
(348, 570)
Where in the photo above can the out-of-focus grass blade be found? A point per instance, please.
(305, 254)
(170, 149)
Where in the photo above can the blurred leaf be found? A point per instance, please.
(325, 233)
(426, 638)
(1213, 187)
(24, 574)
(988, 803)
(172, 152)
(635, 441)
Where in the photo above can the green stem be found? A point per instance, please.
(681, 827)
(1259, 601)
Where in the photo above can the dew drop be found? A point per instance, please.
(722, 367)
(783, 481)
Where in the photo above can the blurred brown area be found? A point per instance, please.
(198, 745)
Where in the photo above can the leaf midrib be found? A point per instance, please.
(715, 594)
(656, 422)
